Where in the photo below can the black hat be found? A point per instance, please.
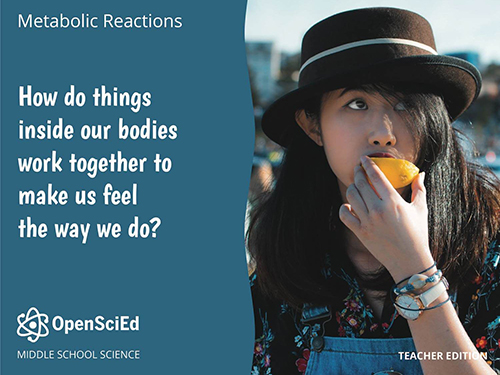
(372, 45)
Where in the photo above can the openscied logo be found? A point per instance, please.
(32, 325)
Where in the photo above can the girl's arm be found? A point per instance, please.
(396, 233)
(440, 330)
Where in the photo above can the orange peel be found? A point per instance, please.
(399, 172)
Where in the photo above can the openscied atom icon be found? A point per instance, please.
(32, 325)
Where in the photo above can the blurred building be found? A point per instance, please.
(264, 64)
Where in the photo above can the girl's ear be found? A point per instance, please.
(309, 126)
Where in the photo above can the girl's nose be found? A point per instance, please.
(382, 133)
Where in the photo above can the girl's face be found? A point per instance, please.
(354, 123)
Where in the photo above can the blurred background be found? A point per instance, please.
(464, 29)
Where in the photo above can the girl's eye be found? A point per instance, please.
(400, 107)
(357, 104)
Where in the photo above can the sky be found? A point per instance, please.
(458, 25)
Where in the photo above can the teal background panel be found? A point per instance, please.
(188, 285)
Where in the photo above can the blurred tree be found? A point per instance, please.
(492, 71)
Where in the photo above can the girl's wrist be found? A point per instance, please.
(401, 271)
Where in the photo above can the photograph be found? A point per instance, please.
(373, 215)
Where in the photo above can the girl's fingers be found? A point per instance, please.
(367, 192)
(356, 201)
(348, 217)
(418, 191)
(377, 178)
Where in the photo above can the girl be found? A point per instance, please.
(353, 276)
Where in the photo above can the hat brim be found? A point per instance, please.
(456, 80)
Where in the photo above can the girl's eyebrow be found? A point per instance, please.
(348, 89)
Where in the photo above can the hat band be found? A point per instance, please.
(367, 42)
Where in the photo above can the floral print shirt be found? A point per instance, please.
(282, 344)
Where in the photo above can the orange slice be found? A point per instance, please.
(400, 173)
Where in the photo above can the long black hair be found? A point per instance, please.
(296, 224)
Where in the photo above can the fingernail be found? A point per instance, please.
(423, 177)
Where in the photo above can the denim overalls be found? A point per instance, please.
(353, 356)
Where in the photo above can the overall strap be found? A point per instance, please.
(315, 317)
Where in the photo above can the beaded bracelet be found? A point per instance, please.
(418, 281)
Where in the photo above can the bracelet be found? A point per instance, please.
(427, 269)
(418, 281)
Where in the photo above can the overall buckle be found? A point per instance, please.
(312, 315)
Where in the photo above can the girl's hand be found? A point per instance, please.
(393, 230)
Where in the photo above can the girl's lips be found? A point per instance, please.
(381, 155)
